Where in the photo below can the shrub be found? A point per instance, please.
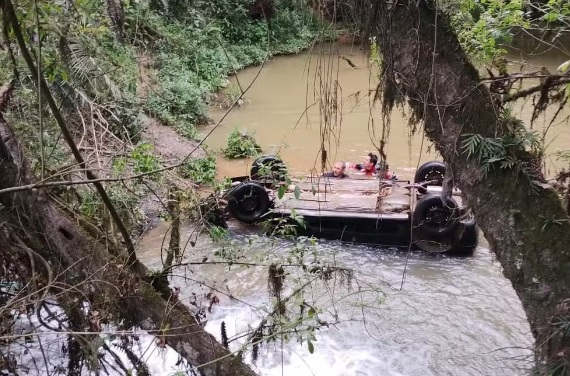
(126, 122)
(201, 170)
(241, 145)
(143, 159)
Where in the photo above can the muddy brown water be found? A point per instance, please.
(451, 316)
(285, 108)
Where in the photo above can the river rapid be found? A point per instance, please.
(405, 313)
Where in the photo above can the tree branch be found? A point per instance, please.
(547, 84)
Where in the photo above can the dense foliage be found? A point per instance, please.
(196, 47)
(108, 62)
(121, 72)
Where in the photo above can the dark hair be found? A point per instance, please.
(373, 158)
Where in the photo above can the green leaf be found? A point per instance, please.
(281, 191)
(310, 347)
(297, 192)
(311, 312)
(564, 66)
(300, 221)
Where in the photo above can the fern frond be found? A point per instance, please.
(508, 152)
(69, 96)
(485, 167)
(85, 69)
(491, 148)
(492, 160)
(507, 164)
(137, 362)
(532, 176)
(82, 65)
(470, 143)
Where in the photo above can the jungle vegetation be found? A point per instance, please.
(84, 80)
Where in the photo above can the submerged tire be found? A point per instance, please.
(469, 239)
(434, 170)
(268, 169)
(248, 202)
(435, 223)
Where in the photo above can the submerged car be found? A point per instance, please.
(384, 212)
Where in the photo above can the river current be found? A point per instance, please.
(405, 313)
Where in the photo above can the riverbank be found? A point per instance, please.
(177, 94)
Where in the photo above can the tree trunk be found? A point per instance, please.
(173, 252)
(37, 239)
(425, 66)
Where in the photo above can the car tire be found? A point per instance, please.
(268, 170)
(434, 170)
(248, 202)
(435, 223)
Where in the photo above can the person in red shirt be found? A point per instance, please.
(369, 165)
(384, 168)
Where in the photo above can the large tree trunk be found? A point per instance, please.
(425, 66)
(36, 239)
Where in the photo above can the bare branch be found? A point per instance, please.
(548, 84)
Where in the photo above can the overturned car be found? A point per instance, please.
(384, 212)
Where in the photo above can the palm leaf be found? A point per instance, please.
(85, 69)
(82, 65)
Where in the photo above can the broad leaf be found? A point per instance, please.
(281, 192)
(310, 347)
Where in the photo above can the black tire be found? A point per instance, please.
(248, 202)
(435, 223)
(431, 171)
(469, 240)
(268, 169)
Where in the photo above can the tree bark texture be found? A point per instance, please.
(40, 242)
(425, 67)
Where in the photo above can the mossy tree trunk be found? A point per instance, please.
(425, 67)
(40, 244)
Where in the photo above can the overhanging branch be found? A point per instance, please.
(548, 84)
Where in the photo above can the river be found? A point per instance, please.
(284, 110)
(450, 316)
